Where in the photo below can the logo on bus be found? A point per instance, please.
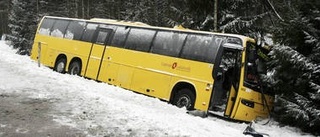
(174, 65)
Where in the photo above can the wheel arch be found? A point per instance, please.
(74, 59)
(182, 85)
(58, 58)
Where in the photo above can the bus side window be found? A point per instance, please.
(140, 39)
(168, 43)
(88, 33)
(120, 36)
(199, 48)
(74, 30)
(46, 26)
(59, 28)
(103, 36)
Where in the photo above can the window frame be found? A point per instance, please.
(50, 29)
(185, 51)
(78, 35)
(115, 41)
(107, 38)
(158, 44)
(92, 33)
(62, 30)
(139, 43)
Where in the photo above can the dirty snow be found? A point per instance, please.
(87, 108)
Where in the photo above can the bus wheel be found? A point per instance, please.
(184, 98)
(75, 68)
(60, 65)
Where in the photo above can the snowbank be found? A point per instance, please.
(99, 109)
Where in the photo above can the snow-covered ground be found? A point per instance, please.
(84, 107)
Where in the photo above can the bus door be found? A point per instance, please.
(226, 81)
(97, 51)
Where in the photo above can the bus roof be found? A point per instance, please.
(144, 25)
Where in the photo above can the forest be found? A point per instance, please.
(292, 25)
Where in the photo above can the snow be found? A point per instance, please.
(99, 109)
(69, 35)
(91, 26)
(57, 33)
(44, 31)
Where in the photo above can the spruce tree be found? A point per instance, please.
(295, 66)
(4, 7)
(22, 24)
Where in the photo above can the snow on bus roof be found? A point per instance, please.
(119, 21)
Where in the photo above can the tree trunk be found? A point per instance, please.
(88, 8)
(82, 3)
(215, 24)
(76, 13)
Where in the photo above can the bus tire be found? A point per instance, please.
(75, 68)
(184, 98)
(60, 65)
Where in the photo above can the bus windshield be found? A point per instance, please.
(251, 68)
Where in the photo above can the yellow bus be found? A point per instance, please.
(210, 72)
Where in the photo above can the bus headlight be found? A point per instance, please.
(247, 103)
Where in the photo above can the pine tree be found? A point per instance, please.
(236, 16)
(190, 14)
(244, 17)
(296, 66)
(14, 24)
(140, 11)
(4, 7)
(108, 9)
(22, 24)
